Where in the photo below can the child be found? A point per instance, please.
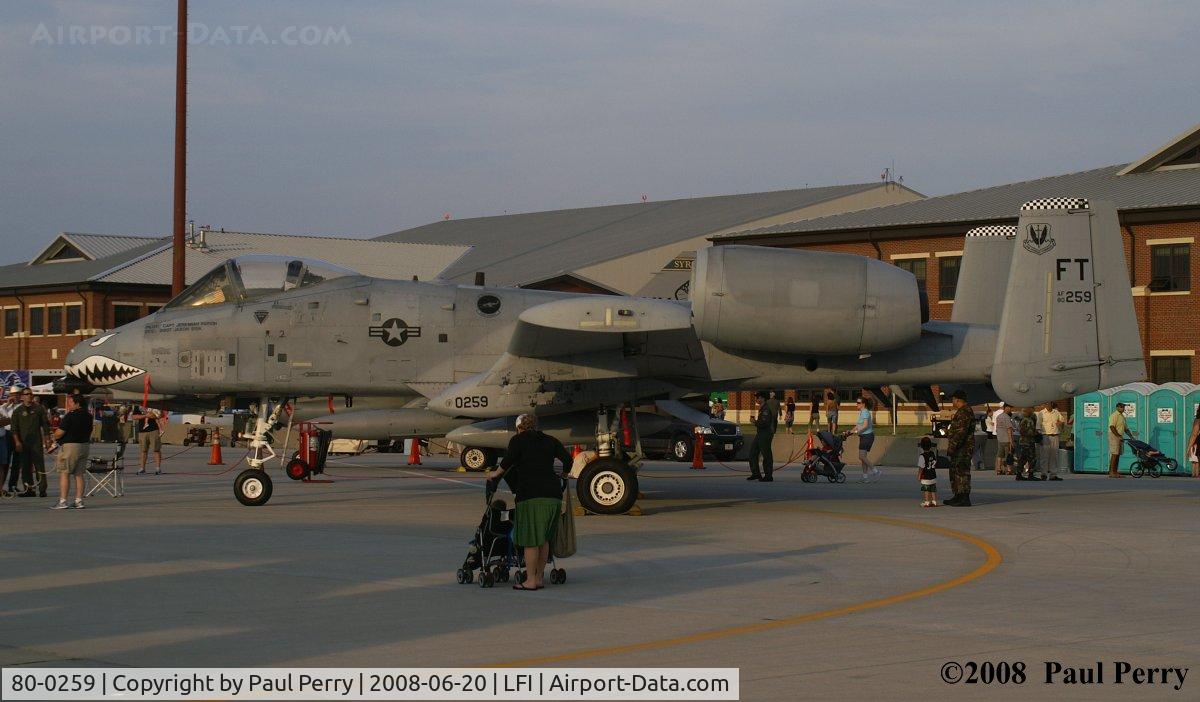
(927, 473)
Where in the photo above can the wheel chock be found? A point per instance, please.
(460, 469)
(635, 510)
(579, 511)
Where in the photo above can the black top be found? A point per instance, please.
(148, 423)
(76, 426)
(816, 405)
(791, 406)
(929, 469)
(529, 465)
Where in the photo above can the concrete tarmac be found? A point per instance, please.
(816, 591)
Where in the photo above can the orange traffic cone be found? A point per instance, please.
(808, 446)
(698, 451)
(414, 455)
(214, 458)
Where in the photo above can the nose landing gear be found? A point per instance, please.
(253, 486)
(609, 484)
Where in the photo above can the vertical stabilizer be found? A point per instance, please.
(983, 276)
(1068, 324)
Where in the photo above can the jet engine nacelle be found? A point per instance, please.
(802, 302)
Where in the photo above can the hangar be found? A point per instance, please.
(621, 248)
(1158, 201)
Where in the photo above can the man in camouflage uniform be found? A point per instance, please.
(1027, 450)
(961, 445)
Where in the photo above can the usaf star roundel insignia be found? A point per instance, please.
(394, 332)
(1038, 239)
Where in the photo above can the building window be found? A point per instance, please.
(916, 266)
(1170, 268)
(124, 314)
(74, 318)
(54, 319)
(12, 320)
(37, 321)
(1168, 369)
(948, 276)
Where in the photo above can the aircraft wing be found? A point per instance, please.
(583, 352)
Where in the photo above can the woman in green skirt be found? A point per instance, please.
(529, 465)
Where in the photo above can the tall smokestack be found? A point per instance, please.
(178, 249)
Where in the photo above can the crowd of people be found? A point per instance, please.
(30, 432)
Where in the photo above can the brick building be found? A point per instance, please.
(83, 284)
(1158, 202)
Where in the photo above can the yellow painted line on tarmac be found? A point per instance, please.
(992, 559)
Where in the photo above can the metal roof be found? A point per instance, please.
(150, 262)
(1135, 191)
(100, 245)
(526, 248)
(378, 259)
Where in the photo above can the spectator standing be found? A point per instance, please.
(789, 415)
(761, 449)
(149, 438)
(529, 461)
(1051, 422)
(865, 428)
(74, 435)
(960, 436)
(31, 437)
(1028, 442)
(1003, 422)
(6, 447)
(831, 409)
(774, 408)
(814, 412)
(981, 436)
(1116, 432)
(1191, 444)
(927, 472)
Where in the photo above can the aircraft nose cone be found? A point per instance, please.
(93, 363)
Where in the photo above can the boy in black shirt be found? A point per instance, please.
(74, 434)
(927, 473)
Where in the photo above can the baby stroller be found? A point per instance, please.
(825, 460)
(1148, 460)
(491, 550)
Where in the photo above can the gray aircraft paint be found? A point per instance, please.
(476, 352)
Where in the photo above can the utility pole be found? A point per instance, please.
(178, 248)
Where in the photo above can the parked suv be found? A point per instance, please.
(678, 440)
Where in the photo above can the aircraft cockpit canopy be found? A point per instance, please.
(256, 275)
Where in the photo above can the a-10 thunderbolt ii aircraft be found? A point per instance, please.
(465, 359)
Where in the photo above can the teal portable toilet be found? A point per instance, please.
(1183, 421)
(1136, 398)
(1165, 411)
(1091, 422)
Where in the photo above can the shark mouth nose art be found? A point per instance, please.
(102, 370)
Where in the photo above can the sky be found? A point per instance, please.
(361, 118)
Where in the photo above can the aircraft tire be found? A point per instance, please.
(474, 458)
(607, 486)
(252, 487)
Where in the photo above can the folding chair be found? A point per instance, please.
(107, 474)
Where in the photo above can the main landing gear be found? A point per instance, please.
(609, 484)
(253, 486)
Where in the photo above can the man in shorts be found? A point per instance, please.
(149, 438)
(1116, 432)
(831, 409)
(1003, 423)
(74, 434)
